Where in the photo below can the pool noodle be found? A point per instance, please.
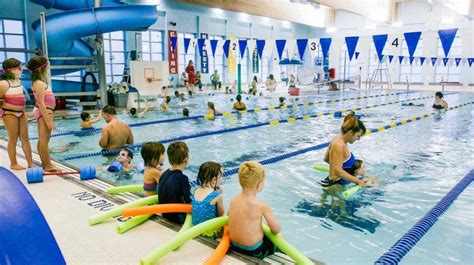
(347, 193)
(99, 218)
(133, 222)
(180, 239)
(285, 247)
(321, 168)
(160, 208)
(126, 188)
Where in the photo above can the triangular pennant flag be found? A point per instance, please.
(213, 46)
(422, 60)
(470, 61)
(351, 43)
(225, 47)
(446, 36)
(457, 60)
(400, 59)
(260, 47)
(411, 60)
(242, 47)
(445, 61)
(290, 46)
(433, 60)
(174, 41)
(325, 44)
(280, 47)
(201, 45)
(186, 45)
(379, 43)
(301, 43)
(357, 55)
(390, 58)
(251, 46)
(412, 39)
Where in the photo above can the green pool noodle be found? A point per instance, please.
(285, 247)
(99, 218)
(126, 188)
(321, 168)
(133, 222)
(181, 238)
(188, 223)
(352, 190)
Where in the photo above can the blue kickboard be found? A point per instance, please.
(25, 237)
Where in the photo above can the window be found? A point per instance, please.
(152, 45)
(216, 62)
(413, 71)
(347, 68)
(265, 64)
(374, 64)
(450, 72)
(114, 52)
(183, 58)
(12, 36)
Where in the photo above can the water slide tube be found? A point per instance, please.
(65, 30)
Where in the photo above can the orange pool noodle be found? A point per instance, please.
(160, 208)
(221, 249)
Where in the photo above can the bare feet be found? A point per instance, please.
(51, 169)
(17, 167)
(32, 166)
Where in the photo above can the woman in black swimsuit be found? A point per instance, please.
(440, 103)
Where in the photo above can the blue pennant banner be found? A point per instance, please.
(400, 59)
(325, 44)
(457, 60)
(174, 41)
(379, 42)
(412, 39)
(433, 60)
(470, 61)
(390, 58)
(357, 55)
(225, 47)
(242, 47)
(445, 61)
(280, 47)
(351, 43)
(186, 44)
(446, 36)
(201, 46)
(411, 59)
(422, 60)
(301, 43)
(213, 46)
(260, 47)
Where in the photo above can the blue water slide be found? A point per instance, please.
(65, 30)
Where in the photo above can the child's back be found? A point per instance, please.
(153, 154)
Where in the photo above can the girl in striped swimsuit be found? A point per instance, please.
(12, 103)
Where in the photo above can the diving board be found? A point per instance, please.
(25, 236)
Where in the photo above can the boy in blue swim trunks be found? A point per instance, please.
(246, 214)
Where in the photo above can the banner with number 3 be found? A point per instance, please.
(313, 46)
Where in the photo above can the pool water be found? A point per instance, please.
(417, 164)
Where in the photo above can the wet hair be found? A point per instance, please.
(208, 171)
(129, 153)
(281, 99)
(352, 124)
(439, 94)
(176, 93)
(37, 66)
(357, 165)
(271, 77)
(250, 174)
(186, 112)
(211, 106)
(177, 153)
(238, 98)
(8, 65)
(109, 110)
(255, 78)
(85, 116)
(151, 153)
(168, 99)
(133, 111)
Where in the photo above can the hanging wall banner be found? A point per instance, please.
(457, 60)
(433, 60)
(422, 60)
(351, 43)
(203, 53)
(260, 46)
(186, 45)
(446, 36)
(301, 43)
(172, 53)
(400, 59)
(231, 58)
(445, 61)
(255, 61)
(313, 47)
(470, 61)
(390, 58)
(379, 43)
(242, 47)
(412, 39)
(225, 48)
(280, 44)
(213, 47)
(325, 44)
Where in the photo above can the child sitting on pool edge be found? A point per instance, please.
(87, 120)
(207, 198)
(246, 213)
(173, 186)
(153, 154)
